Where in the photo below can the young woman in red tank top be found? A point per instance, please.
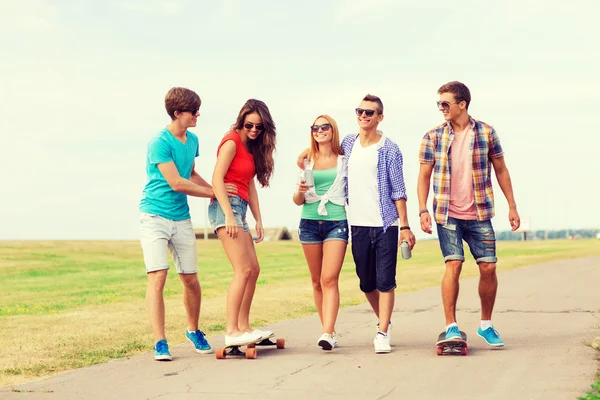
(245, 152)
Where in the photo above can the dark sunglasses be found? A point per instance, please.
(250, 125)
(325, 127)
(445, 104)
(360, 111)
(193, 112)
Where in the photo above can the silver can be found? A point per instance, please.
(309, 178)
(405, 250)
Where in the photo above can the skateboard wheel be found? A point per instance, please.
(439, 351)
(251, 353)
(220, 353)
(281, 343)
(251, 346)
(464, 351)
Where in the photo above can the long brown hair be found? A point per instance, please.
(335, 138)
(263, 146)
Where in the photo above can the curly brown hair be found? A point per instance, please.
(263, 146)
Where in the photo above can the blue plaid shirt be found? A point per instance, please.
(390, 179)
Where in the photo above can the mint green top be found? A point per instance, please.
(323, 180)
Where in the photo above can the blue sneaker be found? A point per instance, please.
(161, 351)
(453, 333)
(490, 335)
(199, 341)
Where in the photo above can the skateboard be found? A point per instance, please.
(452, 346)
(250, 352)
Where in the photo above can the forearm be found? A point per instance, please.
(402, 214)
(188, 187)
(298, 198)
(253, 203)
(220, 193)
(505, 183)
(423, 191)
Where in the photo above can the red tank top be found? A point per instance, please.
(241, 170)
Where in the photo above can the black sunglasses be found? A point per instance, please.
(193, 112)
(360, 111)
(250, 125)
(325, 127)
(445, 104)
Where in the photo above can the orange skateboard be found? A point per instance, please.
(452, 346)
(250, 353)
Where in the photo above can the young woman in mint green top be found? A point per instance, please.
(323, 227)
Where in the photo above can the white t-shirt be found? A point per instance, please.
(363, 191)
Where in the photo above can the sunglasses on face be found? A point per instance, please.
(445, 104)
(325, 127)
(193, 112)
(250, 125)
(360, 111)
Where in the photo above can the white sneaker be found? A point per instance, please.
(335, 342)
(263, 334)
(242, 340)
(326, 341)
(389, 332)
(382, 344)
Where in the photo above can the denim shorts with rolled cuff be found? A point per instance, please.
(375, 256)
(475, 233)
(216, 216)
(312, 231)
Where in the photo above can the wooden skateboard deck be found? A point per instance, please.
(452, 346)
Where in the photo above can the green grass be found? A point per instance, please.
(66, 305)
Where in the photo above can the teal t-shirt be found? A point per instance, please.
(324, 178)
(158, 197)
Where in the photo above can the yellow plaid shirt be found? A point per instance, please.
(435, 150)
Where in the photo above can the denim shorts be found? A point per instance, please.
(157, 234)
(216, 216)
(452, 234)
(375, 256)
(314, 231)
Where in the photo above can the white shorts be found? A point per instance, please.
(158, 233)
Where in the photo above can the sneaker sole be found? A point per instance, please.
(163, 358)
(383, 351)
(491, 344)
(209, 351)
(325, 345)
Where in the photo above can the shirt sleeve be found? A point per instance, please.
(496, 150)
(159, 152)
(396, 175)
(427, 150)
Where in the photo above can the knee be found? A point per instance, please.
(329, 281)
(487, 269)
(244, 272)
(157, 282)
(316, 283)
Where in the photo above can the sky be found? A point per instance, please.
(82, 86)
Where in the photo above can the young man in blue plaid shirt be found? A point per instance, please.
(376, 200)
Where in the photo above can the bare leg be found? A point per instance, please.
(155, 302)
(488, 286)
(386, 307)
(450, 288)
(333, 258)
(373, 298)
(236, 253)
(314, 257)
(244, 315)
(192, 296)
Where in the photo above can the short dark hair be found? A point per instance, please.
(180, 99)
(459, 90)
(375, 99)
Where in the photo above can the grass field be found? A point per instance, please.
(66, 305)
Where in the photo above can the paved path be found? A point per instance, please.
(545, 314)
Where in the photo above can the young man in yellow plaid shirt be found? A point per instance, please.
(460, 153)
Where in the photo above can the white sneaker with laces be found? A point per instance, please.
(382, 344)
(326, 341)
